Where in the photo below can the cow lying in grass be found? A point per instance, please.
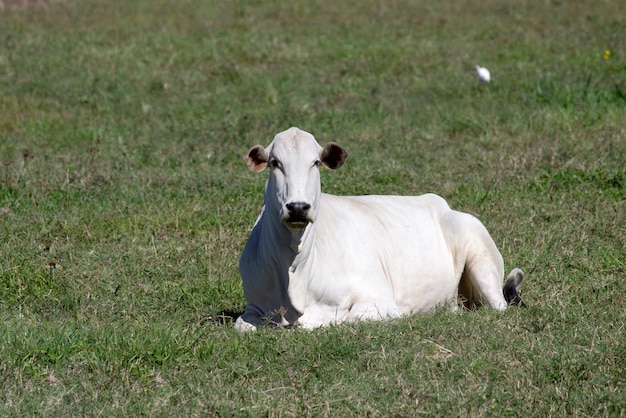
(315, 259)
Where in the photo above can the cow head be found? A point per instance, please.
(293, 188)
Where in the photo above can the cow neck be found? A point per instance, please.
(298, 240)
(302, 240)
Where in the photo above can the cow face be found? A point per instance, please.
(293, 188)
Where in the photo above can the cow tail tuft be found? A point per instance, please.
(512, 286)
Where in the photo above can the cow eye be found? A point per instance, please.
(274, 163)
(317, 163)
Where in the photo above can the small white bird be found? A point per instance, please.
(484, 76)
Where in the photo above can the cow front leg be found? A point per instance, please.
(242, 326)
(249, 320)
(368, 311)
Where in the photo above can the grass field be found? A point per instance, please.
(125, 201)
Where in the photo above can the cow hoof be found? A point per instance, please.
(243, 326)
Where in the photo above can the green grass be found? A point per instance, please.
(123, 222)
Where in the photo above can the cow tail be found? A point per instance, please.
(512, 286)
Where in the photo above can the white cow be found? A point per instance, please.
(315, 259)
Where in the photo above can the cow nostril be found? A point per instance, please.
(298, 207)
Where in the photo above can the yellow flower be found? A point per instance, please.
(607, 54)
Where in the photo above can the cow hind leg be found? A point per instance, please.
(483, 267)
(481, 280)
(474, 290)
(481, 284)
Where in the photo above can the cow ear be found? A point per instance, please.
(257, 158)
(334, 155)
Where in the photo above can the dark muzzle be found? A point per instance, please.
(298, 212)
